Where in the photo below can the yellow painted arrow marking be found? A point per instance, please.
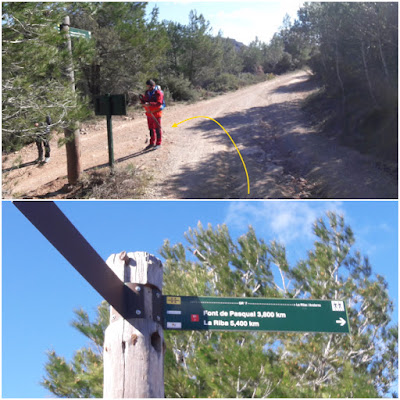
(244, 165)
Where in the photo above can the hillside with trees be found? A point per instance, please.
(354, 57)
(351, 49)
(254, 364)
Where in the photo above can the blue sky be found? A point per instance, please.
(238, 20)
(40, 289)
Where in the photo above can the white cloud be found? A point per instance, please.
(286, 221)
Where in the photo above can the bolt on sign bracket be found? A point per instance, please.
(134, 300)
(134, 294)
(157, 305)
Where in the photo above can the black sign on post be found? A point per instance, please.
(110, 105)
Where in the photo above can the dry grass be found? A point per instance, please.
(127, 182)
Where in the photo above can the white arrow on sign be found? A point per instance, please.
(341, 321)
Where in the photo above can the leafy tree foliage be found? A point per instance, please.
(129, 46)
(274, 54)
(362, 364)
(355, 58)
(357, 43)
(194, 53)
(289, 48)
(33, 81)
(83, 376)
(253, 364)
(252, 56)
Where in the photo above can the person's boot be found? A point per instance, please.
(158, 143)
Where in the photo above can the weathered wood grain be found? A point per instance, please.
(134, 348)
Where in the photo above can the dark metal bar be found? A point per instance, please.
(110, 141)
(63, 235)
(157, 305)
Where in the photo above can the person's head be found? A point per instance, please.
(36, 124)
(150, 84)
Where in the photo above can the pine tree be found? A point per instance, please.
(362, 364)
(83, 376)
(253, 364)
(192, 51)
(355, 58)
(33, 82)
(129, 47)
(252, 56)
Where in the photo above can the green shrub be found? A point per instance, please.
(224, 83)
(11, 143)
(205, 78)
(269, 76)
(285, 63)
(179, 88)
(246, 79)
(167, 94)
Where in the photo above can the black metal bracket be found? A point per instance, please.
(134, 294)
(157, 305)
(134, 300)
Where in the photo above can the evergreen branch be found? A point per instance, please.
(283, 279)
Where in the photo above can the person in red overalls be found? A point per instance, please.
(153, 103)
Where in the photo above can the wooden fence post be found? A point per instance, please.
(134, 348)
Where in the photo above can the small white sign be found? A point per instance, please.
(174, 325)
(174, 312)
(337, 306)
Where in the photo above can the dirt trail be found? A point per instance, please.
(284, 157)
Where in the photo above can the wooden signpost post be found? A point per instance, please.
(134, 347)
(132, 283)
(71, 133)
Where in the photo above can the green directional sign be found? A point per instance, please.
(254, 314)
(80, 33)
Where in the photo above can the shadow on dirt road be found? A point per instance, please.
(279, 148)
(223, 175)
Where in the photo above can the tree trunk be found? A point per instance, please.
(339, 77)
(371, 93)
(385, 69)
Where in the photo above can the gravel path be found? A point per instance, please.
(284, 157)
